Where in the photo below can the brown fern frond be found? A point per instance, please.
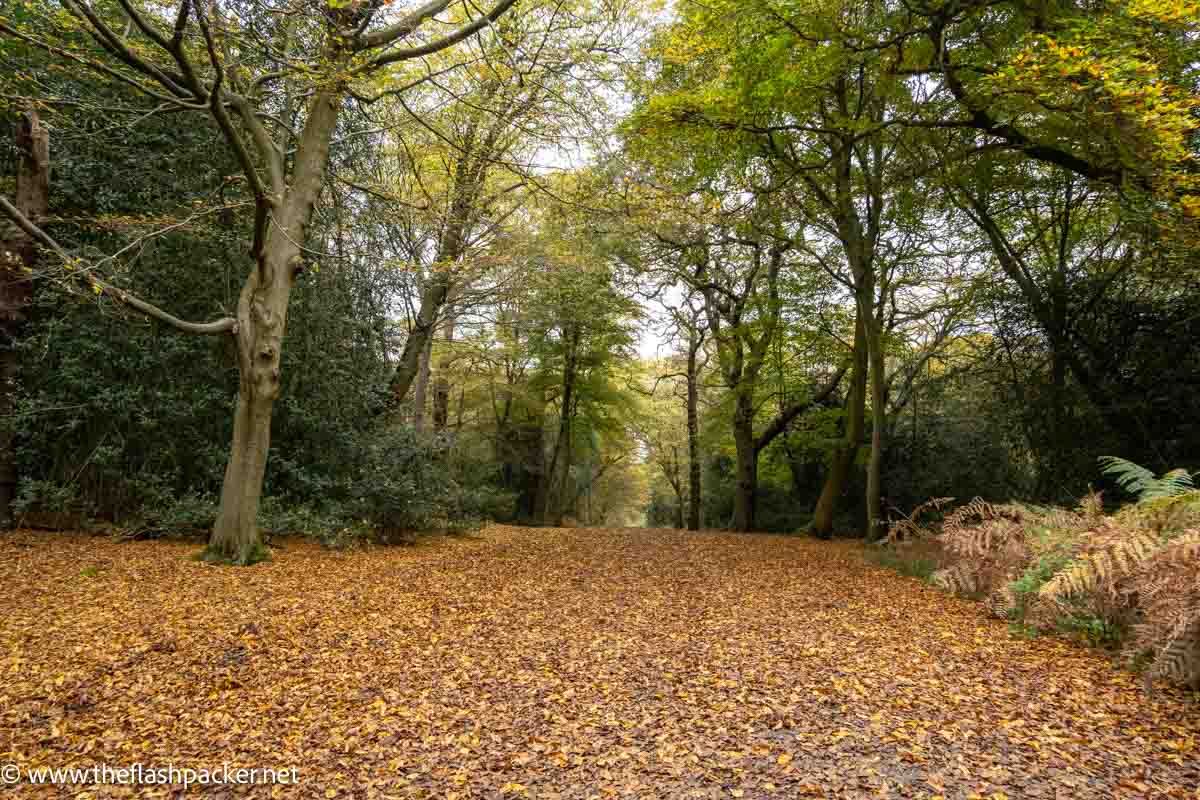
(1179, 658)
(959, 579)
(1102, 565)
(1002, 600)
(976, 511)
(908, 527)
(1182, 549)
(1091, 507)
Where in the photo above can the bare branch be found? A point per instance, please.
(465, 32)
(404, 27)
(225, 325)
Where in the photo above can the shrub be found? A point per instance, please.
(49, 497)
(1131, 578)
(405, 484)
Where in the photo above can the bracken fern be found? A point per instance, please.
(1136, 571)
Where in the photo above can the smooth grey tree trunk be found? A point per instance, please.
(261, 323)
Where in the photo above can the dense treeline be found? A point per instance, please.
(768, 266)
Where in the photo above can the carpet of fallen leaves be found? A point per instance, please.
(557, 663)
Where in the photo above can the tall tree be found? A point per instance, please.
(18, 256)
(291, 86)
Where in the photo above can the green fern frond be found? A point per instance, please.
(1142, 483)
(1174, 483)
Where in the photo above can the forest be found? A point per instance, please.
(602, 398)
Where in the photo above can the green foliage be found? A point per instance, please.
(1024, 590)
(48, 496)
(1095, 631)
(914, 564)
(1142, 483)
(169, 514)
(402, 484)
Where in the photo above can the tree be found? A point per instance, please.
(1104, 90)
(293, 86)
(828, 128)
(466, 170)
(18, 258)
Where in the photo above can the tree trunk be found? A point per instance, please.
(433, 297)
(571, 336)
(523, 464)
(421, 387)
(563, 505)
(261, 322)
(693, 432)
(843, 458)
(442, 385)
(17, 256)
(875, 520)
(235, 536)
(747, 462)
(677, 485)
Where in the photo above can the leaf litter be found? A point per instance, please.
(559, 663)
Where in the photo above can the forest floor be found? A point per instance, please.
(557, 663)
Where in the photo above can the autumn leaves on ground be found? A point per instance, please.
(559, 663)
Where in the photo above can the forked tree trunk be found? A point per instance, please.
(261, 323)
(433, 297)
(843, 458)
(262, 316)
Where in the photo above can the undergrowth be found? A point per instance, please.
(914, 564)
(1127, 581)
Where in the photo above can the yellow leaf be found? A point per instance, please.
(784, 759)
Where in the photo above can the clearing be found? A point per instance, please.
(560, 663)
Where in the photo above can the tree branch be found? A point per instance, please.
(404, 27)
(225, 325)
(785, 417)
(465, 32)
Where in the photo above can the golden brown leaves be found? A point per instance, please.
(559, 664)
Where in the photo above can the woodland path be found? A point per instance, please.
(560, 663)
